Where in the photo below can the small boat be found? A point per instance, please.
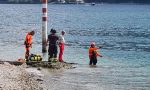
(92, 4)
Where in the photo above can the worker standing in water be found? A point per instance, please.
(28, 44)
(61, 46)
(93, 53)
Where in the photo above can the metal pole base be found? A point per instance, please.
(44, 51)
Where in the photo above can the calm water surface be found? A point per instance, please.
(123, 31)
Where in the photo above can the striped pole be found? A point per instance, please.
(44, 25)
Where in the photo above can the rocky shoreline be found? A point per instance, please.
(51, 65)
(19, 78)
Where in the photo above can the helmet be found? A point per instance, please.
(93, 43)
(52, 31)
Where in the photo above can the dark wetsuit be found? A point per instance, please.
(93, 59)
(52, 51)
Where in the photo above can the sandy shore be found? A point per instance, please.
(18, 78)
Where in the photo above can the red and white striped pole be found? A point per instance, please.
(44, 25)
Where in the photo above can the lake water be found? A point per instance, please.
(123, 31)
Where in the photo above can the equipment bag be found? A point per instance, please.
(35, 57)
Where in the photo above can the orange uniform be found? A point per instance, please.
(28, 44)
(93, 53)
(28, 39)
(93, 49)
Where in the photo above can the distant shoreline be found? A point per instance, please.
(82, 3)
(76, 3)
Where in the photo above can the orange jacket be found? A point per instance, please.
(91, 49)
(28, 39)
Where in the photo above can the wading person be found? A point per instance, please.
(28, 43)
(61, 45)
(93, 53)
(53, 42)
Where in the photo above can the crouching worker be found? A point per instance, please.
(28, 43)
(93, 53)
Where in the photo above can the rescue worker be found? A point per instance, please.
(93, 53)
(28, 44)
(61, 46)
(53, 42)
